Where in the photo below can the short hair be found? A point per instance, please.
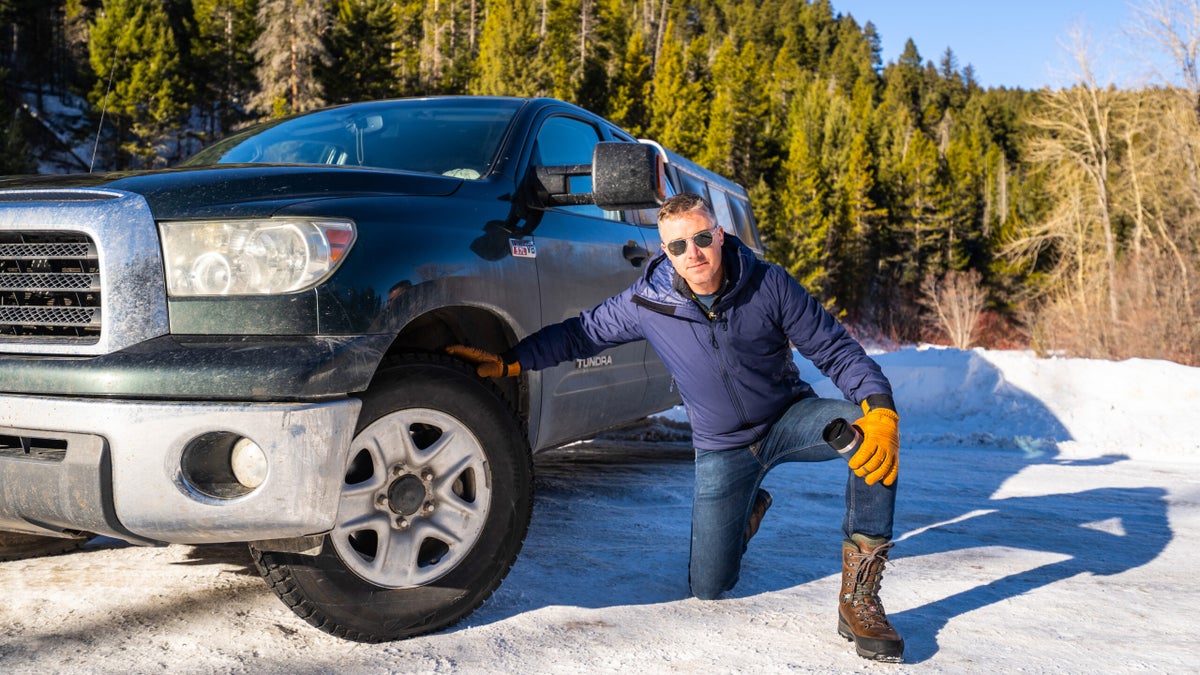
(686, 202)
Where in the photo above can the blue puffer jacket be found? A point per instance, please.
(734, 370)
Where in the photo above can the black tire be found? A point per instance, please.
(17, 546)
(451, 488)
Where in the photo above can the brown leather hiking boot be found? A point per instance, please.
(861, 618)
(762, 502)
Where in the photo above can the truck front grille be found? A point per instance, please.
(49, 285)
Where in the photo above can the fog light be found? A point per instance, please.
(222, 465)
(249, 463)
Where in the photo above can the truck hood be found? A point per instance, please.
(239, 191)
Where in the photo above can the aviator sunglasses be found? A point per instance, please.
(704, 239)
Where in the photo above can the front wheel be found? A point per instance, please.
(436, 498)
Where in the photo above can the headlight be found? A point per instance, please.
(252, 257)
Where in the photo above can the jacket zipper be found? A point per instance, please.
(730, 389)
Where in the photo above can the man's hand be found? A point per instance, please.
(490, 365)
(879, 456)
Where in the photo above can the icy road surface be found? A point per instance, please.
(1005, 562)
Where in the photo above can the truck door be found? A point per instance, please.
(584, 255)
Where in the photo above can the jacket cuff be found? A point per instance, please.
(881, 401)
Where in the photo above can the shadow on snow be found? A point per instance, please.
(611, 520)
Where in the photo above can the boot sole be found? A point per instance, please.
(875, 650)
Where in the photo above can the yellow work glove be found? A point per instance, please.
(489, 364)
(879, 455)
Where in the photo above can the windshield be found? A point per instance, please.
(458, 137)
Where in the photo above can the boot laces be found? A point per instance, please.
(867, 580)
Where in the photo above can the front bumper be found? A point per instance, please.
(113, 467)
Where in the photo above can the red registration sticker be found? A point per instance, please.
(523, 248)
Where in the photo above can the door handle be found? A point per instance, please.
(634, 253)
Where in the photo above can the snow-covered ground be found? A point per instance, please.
(1048, 521)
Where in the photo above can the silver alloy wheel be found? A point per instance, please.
(415, 499)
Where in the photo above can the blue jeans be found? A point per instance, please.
(727, 482)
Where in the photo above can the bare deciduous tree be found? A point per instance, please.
(955, 303)
(1174, 27)
(1076, 142)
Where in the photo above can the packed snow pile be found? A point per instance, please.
(1067, 407)
(1074, 408)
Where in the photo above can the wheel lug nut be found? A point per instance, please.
(380, 500)
(428, 507)
(402, 523)
(426, 475)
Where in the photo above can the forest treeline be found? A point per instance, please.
(1067, 219)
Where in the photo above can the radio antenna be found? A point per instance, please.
(103, 108)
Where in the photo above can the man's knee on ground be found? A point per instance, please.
(709, 590)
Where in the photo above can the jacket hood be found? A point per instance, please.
(662, 289)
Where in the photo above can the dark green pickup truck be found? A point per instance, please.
(249, 346)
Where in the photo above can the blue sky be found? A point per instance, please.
(1014, 43)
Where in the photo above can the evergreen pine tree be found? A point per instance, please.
(561, 45)
(679, 119)
(905, 80)
(865, 218)
(735, 143)
(360, 47)
(14, 153)
(921, 230)
(289, 50)
(629, 105)
(787, 76)
(225, 30)
(723, 116)
(667, 86)
(800, 239)
(854, 57)
(447, 44)
(134, 48)
(962, 211)
(607, 39)
(508, 63)
(405, 57)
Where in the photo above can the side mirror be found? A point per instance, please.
(627, 176)
(552, 185)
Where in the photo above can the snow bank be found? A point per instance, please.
(1074, 408)
(1069, 408)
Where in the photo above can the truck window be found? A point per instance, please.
(741, 219)
(453, 137)
(565, 140)
(720, 206)
(694, 184)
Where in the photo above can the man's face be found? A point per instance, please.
(700, 267)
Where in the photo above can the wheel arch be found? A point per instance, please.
(479, 327)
